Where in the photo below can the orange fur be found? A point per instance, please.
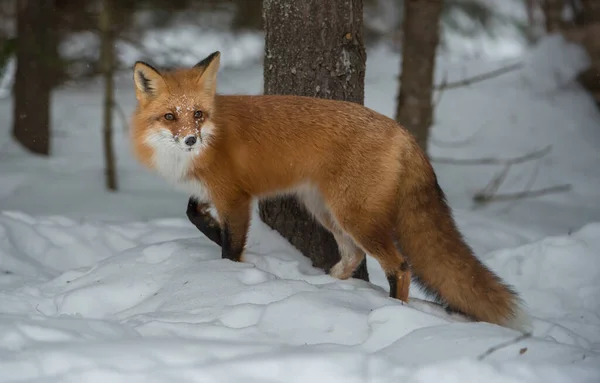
(361, 175)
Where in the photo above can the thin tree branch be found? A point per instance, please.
(485, 197)
(441, 88)
(492, 160)
(479, 78)
(457, 143)
(500, 346)
(528, 187)
(107, 57)
(493, 186)
(466, 82)
(122, 115)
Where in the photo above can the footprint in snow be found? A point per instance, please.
(241, 315)
(254, 276)
(158, 253)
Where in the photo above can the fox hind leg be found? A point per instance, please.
(399, 282)
(376, 241)
(394, 264)
(351, 255)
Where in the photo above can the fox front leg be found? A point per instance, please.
(199, 215)
(232, 234)
(235, 221)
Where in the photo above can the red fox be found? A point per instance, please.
(359, 173)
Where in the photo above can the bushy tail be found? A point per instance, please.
(445, 265)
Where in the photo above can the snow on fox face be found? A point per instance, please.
(173, 122)
(176, 138)
(183, 126)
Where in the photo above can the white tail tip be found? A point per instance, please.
(521, 321)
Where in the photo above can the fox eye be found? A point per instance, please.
(198, 114)
(169, 116)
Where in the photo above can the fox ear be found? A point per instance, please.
(210, 68)
(148, 81)
(205, 62)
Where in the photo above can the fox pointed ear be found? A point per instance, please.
(210, 68)
(208, 59)
(148, 81)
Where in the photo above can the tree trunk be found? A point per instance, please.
(313, 48)
(107, 57)
(37, 60)
(590, 11)
(530, 9)
(553, 14)
(419, 43)
(248, 15)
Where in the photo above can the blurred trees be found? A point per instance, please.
(248, 15)
(60, 40)
(582, 26)
(585, 30)
(107, 58)
(419, 44)
(313, 48)
(553, 10)
(37, 64)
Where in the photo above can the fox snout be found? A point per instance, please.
(188, 140)
(167, 139)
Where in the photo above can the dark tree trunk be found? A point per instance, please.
(419, 44)
(248, 15)
(590, 11)
(313, 48)
(108, 64)
(553, 14)
(37, 63)
(588, 18)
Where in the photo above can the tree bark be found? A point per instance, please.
(37, 61)
(248, 15)
(590, 11)
(419, 44)
(312, 48)
(107, 57)
(553, 14)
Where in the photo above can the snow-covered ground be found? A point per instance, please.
(111, 287)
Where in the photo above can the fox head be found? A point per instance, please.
(175, 108)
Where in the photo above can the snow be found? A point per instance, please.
(164, 46)
(164, 299)
(120, 287)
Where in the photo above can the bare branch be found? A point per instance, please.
(479, 78)
(500, 346)
(492, 187)
(122, 115)
(441, 88)
(528, 186)
(492, 160)
(458, 143)
(466, 82)
(483, 197)
(488, 194)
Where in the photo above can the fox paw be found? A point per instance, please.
(340, 271)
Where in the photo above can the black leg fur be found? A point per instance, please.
(198, 215)
(393, 281)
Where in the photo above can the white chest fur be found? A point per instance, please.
(174, 165)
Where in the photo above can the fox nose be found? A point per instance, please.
(190, 140)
